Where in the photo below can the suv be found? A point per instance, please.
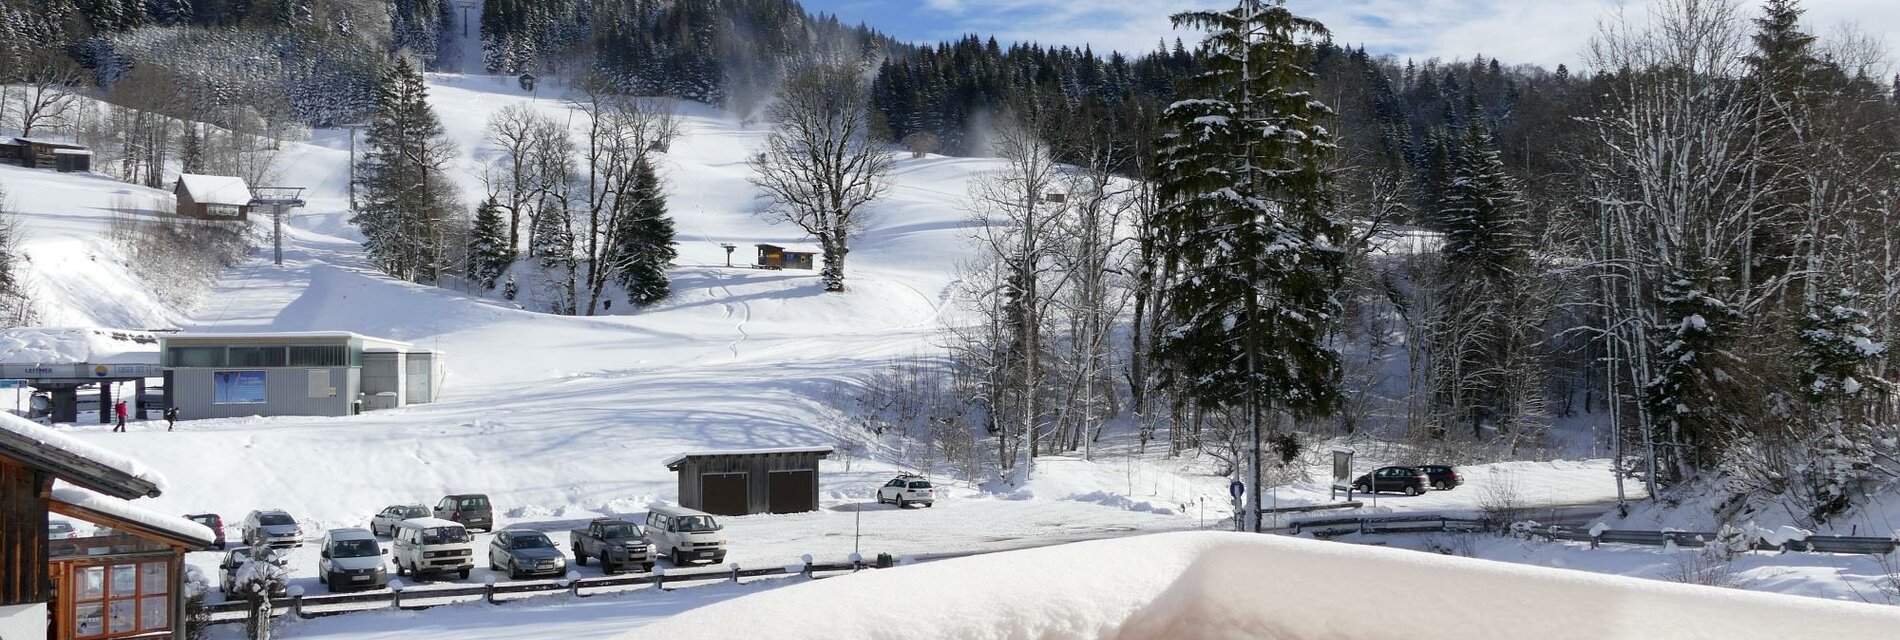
(272, 527)
(470, 509)
(1443, 477)
(1408, 480)
(525, 554)
(213, 522)
(685, 535)
(433, 545)
(906, 490)
(351, 559)
(385, 521)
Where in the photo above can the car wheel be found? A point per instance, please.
(514, 573)
(1439, 485)
(1411, 490)
(321, 578)
(579, 558)
(607, 566)
(464, 573)
(679, 558)
(646, 568)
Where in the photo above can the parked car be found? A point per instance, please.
(272, 527)
(684, 535)
(385, 521)
(234, 559)
(351, 559)
(470, 509)
(433, 546)
(211, 521)
(1443, 477)
(906, 490)
(60, 530)
(617, 543)
(525, 554)
(1407, 480)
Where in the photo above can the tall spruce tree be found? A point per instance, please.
(1696, 368)
(407, 202)
(488, 254)
(1483, 336)
(1838, 355)
(1245, 202)
(644, 242)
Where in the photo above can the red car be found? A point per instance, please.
(210, 521)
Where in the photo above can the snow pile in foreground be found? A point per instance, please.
(1226, 585)
(47, 436)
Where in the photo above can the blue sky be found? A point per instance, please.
(1541, 31)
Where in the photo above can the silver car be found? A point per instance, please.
(272, 527)
(385, 521)
(351, 559)
(525, 554)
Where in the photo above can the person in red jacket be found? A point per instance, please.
(120, 410)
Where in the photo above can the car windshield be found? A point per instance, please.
(205, 520)
(59, 526)
(274, 519)
(416, 511)
(474, 503)
(920, 485)
(444, 535)
(354, 549)
(619, 531)
(530, 541)
(690, 524)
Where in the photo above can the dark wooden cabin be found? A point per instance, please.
(212, 197)
(737, 483)
(773, 256)
(46, 154)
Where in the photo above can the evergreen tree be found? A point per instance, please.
(1839, 354)
(1245, 199)
(407, 204)
(644, 241)
(551, 243)
(1695, 369)
(1483, 337)
(488, 253)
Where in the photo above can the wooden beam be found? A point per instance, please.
(22, 533)
(121, 524)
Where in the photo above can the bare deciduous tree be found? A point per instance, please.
(820, 166)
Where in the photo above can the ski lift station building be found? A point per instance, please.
(333, 373)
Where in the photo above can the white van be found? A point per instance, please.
(433, 546)
(684, 535)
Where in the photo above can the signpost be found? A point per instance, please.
(1342, 471)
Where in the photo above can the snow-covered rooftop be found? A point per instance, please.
(224, 190)
(1234, 585)
(48, 437)
(176, 526)
(77, 345)
(291, 335)
(797, 247)
(744, 452)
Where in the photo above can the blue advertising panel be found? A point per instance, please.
(238, 387)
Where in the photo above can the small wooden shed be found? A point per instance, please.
(212, 197)
(744, 482)
(46, 154)
(772, 256)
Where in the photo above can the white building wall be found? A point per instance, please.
(23, 621)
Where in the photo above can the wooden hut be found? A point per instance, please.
(34, 153)
(743, 482)
(125, 578)
(212, 197)
(772, 256)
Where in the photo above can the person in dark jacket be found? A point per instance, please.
(171, 418)
(119, 409)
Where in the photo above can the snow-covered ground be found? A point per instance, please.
(1226, 585)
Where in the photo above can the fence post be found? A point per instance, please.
(572, 581)
(488, 589)
(1596, 539)
(735, 572)
(395, 593)
(857, 562)
(659, 578)
(296, 601)
(807, 558)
